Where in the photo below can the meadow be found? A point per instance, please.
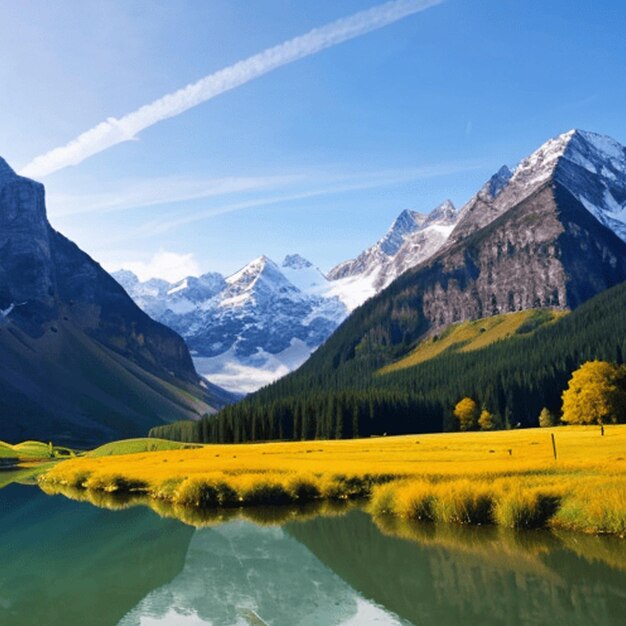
(33, 451)
(507, 478)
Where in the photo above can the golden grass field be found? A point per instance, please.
(474, 335)
(505, 477)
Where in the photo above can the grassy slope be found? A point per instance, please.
(134, 446)
(588, 479)
(31, 450)
(474, 335)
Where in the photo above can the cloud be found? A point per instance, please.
(316, 188)
(114, 131)
(170, 266)
(156, 191)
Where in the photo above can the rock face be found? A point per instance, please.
(80, 359)
(549, 237)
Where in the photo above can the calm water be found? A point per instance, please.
(70, 563)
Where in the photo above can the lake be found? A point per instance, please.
(69, 563)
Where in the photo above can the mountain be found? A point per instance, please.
(550, 235)
(249, 328)
(264, 321)
(412, 238)
(80, 361)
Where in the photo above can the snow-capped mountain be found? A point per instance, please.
(591, 167)
(250, 328)
(412, 238)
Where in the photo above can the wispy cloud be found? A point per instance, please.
(157, 191)
(114, 131)
(316, 185)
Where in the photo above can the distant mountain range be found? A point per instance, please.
(549, 234)
(80, 361)
(248, 329)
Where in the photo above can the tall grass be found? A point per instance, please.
(509, 479)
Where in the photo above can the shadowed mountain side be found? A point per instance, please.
(81, 361)
(50, 577)
(88, 393)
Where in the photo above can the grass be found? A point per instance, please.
(506, 478)
(134, 446)
(33, 450)
(469, 336)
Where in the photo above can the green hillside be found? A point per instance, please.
(474, 335)
(134, 446)
(335, 396)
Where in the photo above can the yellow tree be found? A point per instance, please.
(486, 420)
(547, 418)
(466, 411)
(596, 394)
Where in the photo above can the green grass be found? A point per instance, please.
(136, 446)
(33, 450)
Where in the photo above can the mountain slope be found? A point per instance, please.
(81, 361)
(514, 378)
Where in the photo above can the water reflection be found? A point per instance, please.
(71, 563)
(431, 574)
(241, 573)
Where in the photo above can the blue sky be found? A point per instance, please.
(317, 156)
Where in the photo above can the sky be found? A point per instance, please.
(181, 137)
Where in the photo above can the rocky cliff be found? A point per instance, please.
(80, 360)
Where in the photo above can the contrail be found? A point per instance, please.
(114, 131)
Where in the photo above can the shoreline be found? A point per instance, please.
(506, 478)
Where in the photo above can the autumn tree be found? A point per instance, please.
(466, 412)
(488, 421)
(596, 394)
(547, 418)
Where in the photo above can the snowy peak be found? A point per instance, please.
(410, 222)
(444, 214)
(199, 288)
(304, 275)
(126, 278)
(591, 167)
(406, 223)
(261, 274)
(412, 238)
